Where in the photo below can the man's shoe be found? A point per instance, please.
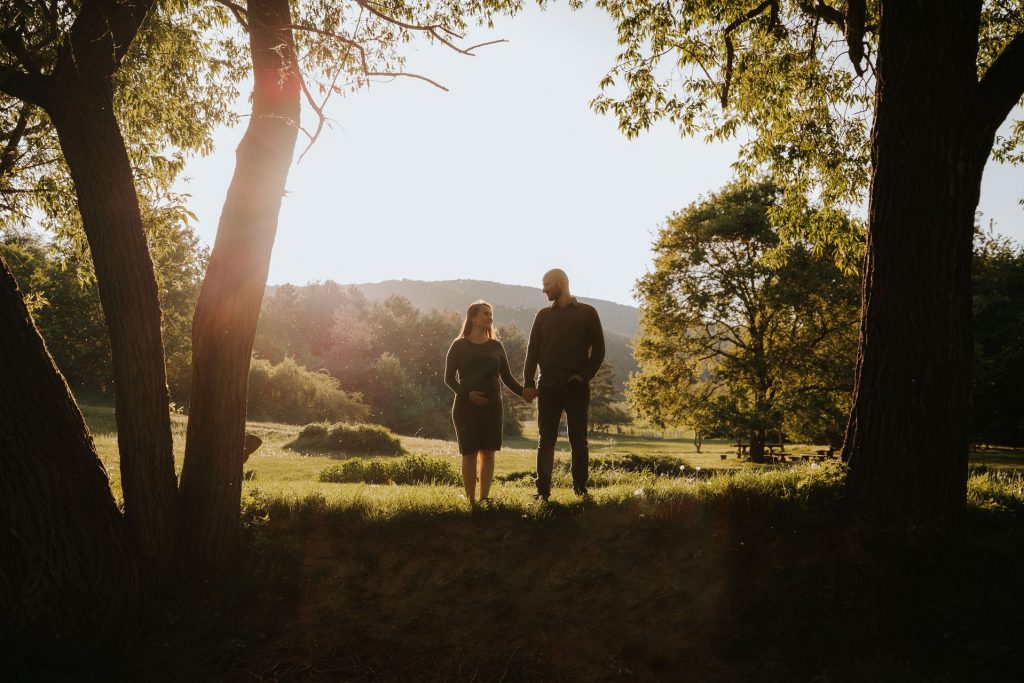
(541, 497)
(581, 491)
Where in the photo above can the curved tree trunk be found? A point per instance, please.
(907, 440)
(232, 293)
(67, 566)
(90, 138)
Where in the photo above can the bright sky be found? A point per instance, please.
(505, 176)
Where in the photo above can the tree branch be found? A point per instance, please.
(101, 35)
(12, 40)
(825, 12)
(20, 85)
(10, 154)
(1002, 86)
(730, 51)
(361, 51)
(856, 14)
(240, 12)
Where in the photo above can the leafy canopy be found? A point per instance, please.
(793, 80)
(731, 343)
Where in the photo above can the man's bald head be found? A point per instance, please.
(557, 276)
(556, 285)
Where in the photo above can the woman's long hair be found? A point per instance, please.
(467, 325)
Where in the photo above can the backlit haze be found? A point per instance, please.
(505, 176)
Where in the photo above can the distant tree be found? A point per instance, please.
(288, 392)
(896, 102)
(516, 410)
(997, 404)
(60, 285)
(740, 333)
(604, 410)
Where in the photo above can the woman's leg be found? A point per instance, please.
(486, 461)
(469, 476)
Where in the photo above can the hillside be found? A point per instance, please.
(514, 304)
(521, 302)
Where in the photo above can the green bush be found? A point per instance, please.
(344, 438)
(288, 392)
(660, 465)
(411, 469)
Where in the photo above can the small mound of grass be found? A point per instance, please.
(410, 469)
(359, 439)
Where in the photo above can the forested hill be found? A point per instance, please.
(514, 304)
(520, 303)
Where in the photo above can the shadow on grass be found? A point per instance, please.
(740, 578)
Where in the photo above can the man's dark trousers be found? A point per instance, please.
(573, 399)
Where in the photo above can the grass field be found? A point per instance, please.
(761, 575)
(281, 471)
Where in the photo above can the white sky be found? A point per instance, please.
(505, 176)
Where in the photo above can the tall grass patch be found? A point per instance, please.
(410, 469)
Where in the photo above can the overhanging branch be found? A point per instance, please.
(10, 154)
(856, 14)
(730, 51)
(1002, 86)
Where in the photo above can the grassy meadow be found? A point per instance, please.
(281, 472)
(733, 573)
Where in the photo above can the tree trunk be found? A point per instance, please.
(907, 439)
(757, 441)
(67, 566)
(96, 156)
(232, 293)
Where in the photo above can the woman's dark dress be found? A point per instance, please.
(478, 367)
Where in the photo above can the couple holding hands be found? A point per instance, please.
(567, 343)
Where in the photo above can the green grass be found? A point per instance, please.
(744, 574)
(280, 470)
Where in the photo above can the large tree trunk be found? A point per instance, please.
(757, 442)
(907, 440)
(96, 156)
(67, 567)
(232, 293)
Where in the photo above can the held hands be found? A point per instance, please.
(529, 393)
(575, 378)
(479, 398)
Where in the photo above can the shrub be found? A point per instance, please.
(411, 469)
(632, 462)
(288, 392)
(353, 439)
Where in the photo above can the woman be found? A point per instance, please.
(478, 358)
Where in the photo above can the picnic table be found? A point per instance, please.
(773, 450)
(819, 455)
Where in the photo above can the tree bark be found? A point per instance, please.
(67, 566)
(90, 138)
(229, 302)
(757, 441)
(907, 439)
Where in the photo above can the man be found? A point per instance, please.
(568, 344)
